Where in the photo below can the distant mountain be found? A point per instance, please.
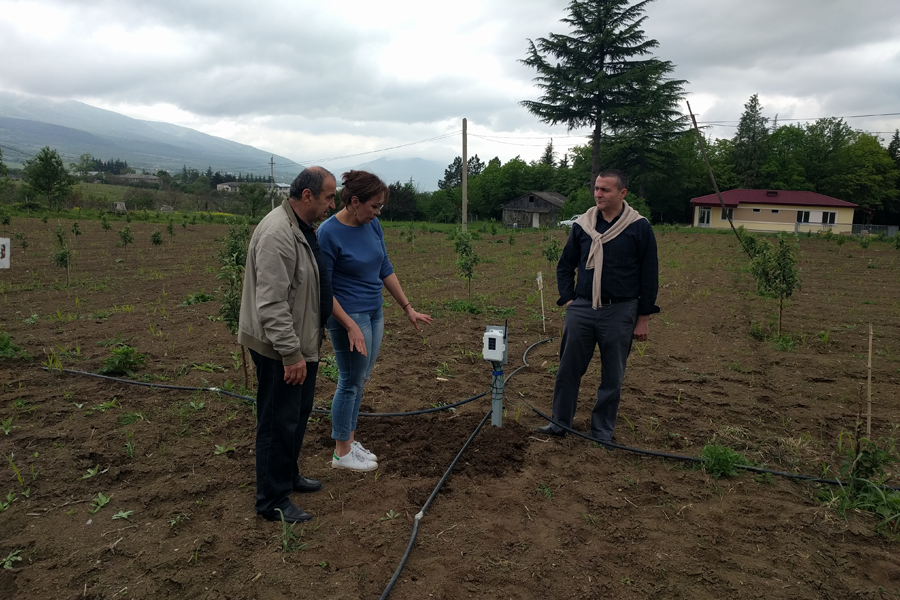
(424, 173)
(28, 123)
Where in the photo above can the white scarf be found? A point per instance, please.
(588, 222)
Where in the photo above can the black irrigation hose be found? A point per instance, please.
(421, 513)
(414, 412)
(679, 456)
(251, 399)
(161, 386)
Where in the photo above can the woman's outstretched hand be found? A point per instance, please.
(414, 316)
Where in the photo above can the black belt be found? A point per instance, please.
(608, 301)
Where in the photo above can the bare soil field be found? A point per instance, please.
(521, 516)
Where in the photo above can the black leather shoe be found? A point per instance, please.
(305, 485)
(548, 430)
(292, 514)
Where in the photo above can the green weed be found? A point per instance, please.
(94, 472)
(721, 461)
(123, 361)
(290, 540)
(99, 502)
(546, 491)
(198, 298)
(129, 444)
(11, 558)
(7, 426)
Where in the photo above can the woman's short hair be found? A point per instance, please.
(363, 185)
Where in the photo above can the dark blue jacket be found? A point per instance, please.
(630, 266)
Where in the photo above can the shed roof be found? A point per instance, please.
(733, 198)
(554, 198)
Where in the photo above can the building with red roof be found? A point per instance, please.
(774, 211)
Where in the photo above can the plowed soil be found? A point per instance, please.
(521, 516)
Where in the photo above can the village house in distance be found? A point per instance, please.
(282, 189)
(774, 211)
(534, 209)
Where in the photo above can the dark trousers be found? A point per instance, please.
(282, 411)
(611, 328)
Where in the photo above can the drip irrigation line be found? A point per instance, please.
(415, 412)
(680, 457)
(421, 512)
(162, 386)
(252, 399)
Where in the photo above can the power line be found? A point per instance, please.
(542, 137)
(495, 141)
(321, 160)
(17, 150)
(722, 122)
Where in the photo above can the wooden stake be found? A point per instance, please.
(869, 407)
(465, 177)
(540, 283)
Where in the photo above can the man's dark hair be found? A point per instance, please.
(311, 178)
(620, 177)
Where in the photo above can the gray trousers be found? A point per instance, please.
(611, 328)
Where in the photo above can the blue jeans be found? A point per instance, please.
(353, 369)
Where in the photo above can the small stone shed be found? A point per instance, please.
(534, 209)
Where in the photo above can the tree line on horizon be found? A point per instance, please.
(602, 75)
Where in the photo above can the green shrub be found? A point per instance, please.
(721, 461)
(122, 362)
(8, 349)
(197, 298)
(328, 367)
(463, 306)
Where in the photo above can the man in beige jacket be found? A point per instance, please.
(286, 301)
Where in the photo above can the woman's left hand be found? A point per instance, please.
(415, 316)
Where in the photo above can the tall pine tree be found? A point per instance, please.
(598, 75)
(751, 145)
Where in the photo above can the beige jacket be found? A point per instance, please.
(280, 302)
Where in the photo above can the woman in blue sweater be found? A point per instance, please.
(353, 243)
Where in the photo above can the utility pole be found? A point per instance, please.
(272, 180)
(465, 181)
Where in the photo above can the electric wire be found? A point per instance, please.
(439, 137)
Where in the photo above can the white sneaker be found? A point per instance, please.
(363, 451)
(353, 460)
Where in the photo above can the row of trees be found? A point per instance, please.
(825, 156)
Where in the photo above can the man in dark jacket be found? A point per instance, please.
(613, 251)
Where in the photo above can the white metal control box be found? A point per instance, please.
(494, 349)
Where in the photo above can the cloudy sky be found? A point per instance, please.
(318, 80)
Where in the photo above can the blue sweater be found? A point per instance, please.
(357, 263)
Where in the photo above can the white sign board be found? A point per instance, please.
(4, 253)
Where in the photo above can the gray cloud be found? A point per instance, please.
(320, 69)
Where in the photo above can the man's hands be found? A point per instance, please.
(295, 374)
(642, 328)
